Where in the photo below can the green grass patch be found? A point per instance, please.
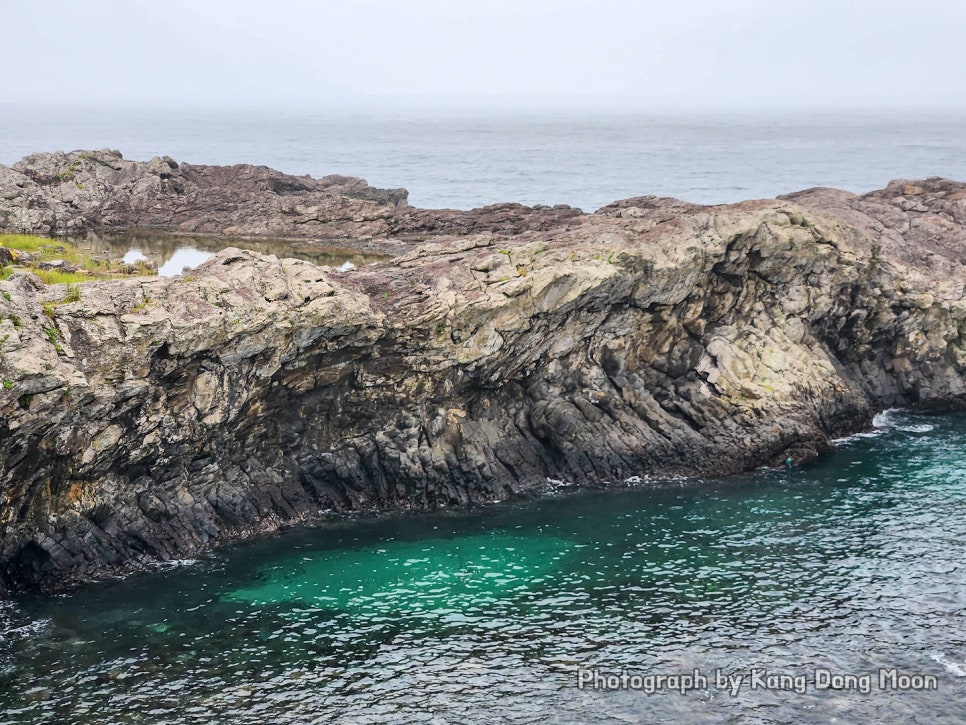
(55, 276)
(26, 242)
(45, 249)
(140, 306)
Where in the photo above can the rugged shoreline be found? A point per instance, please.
(68, 194)
(154, 418)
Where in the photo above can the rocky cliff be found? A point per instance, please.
(58, 193)
(153, 418)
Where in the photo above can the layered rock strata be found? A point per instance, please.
(154, 418)
(58, 193)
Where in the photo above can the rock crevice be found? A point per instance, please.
(153, 418)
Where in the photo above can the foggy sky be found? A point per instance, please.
(567, 54)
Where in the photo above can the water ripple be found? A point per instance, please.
(853, 564)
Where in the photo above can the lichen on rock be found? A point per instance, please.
(153, 418)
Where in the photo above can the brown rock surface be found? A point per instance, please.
(153, 418)
(62, 193)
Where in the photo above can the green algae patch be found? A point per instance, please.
(420, 577)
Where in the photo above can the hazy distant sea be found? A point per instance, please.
(463, 161)
(851, 565)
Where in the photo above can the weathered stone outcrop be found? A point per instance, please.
(67, 193)
(153, 418)
(58, 193)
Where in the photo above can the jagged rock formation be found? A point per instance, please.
(69, 193)
(153, 418)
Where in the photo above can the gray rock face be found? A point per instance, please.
(67, 193)
(62, 193)
(153, 418)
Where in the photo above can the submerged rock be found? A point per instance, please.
(153, 418)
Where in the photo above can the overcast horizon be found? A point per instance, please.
(427, 55)
(394, 109)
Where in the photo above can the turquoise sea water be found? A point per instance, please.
(850, 565)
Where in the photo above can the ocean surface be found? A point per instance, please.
(847, 571)
(465, 161)
(764, 588)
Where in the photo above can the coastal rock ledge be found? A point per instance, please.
(153, 418)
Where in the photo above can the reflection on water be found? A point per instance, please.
(183, 258)
(175, 253)
(851, 564)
